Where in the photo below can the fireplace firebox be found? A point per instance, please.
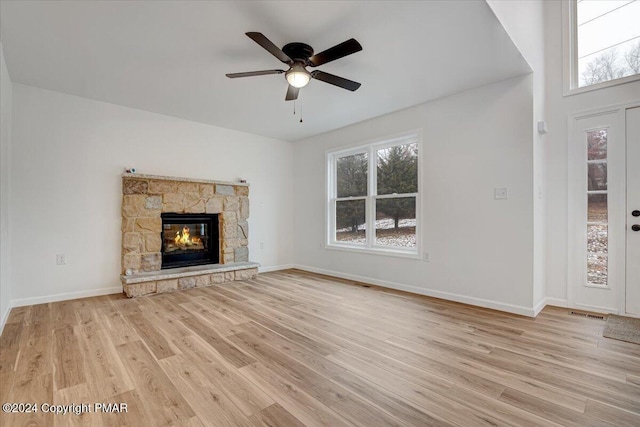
(189, 239)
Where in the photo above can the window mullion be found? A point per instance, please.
(343, 199)
(370, 211)
(396, 195)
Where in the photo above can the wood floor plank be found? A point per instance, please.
(315, 362)
(553, 413)
(158, 345)
(36, 345)
(430, 397)
(64, 313)
(389, 402)
(296, 372)
(120, 331)
(513, 380)
(10, 347)
(131, 418)
(68, 361)
(38, 390)
(221, 345)
(105, 373)
(207, 400)
(19, 315)
(223, 376)
(275, 415)
(162, 403)
(297, 348)
(612, 415)
(300, 404)
(356, 410)
(74, 395)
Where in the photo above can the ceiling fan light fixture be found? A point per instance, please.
(297, 76)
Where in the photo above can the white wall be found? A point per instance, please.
(481, 249)
(559, 108)
(524, 21)
(5, 152)
(68, 154)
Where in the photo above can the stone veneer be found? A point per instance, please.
(145, 197)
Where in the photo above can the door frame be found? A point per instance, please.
(575, 183)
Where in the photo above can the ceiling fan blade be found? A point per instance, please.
(292, 93)
(336, 52)
(253, 73)
(269, 46)
(335, 80)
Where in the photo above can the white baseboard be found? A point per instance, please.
(495, 305)
(20, 302)
(275, 268)
(4, 318)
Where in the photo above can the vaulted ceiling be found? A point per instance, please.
(171, 57)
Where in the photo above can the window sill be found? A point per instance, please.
(610, 83)
(375, 251)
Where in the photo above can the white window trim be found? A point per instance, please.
(370, 147)
(570, 57)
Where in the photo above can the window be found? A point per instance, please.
(604, 43)
(374, 198)
(597, 207)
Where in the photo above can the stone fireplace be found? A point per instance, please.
(179, 233)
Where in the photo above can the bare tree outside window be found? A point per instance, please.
(632, 59)
(611, 65)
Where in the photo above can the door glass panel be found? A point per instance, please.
(597, 176)
(597, 144)
(597, 207)
(597, 254)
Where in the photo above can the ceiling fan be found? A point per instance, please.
(299, 56)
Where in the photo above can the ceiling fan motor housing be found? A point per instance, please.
(298, 51)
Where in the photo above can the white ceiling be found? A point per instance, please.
(171, 57)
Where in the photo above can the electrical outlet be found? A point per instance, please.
(427, 257)
(61, 259)
(500, 193)
(261, 245)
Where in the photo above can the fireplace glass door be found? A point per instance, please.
(189, 239)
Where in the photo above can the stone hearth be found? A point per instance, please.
(146, 197)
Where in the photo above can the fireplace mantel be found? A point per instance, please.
(146, 197)
(177, 179)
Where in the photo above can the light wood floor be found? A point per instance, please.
(291, 348)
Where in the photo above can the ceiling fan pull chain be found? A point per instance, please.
(300, 111)
(294, 107)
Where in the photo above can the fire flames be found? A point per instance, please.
(184, 238)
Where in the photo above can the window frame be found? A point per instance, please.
(587, 193)
(570, 55)
(370, 147)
